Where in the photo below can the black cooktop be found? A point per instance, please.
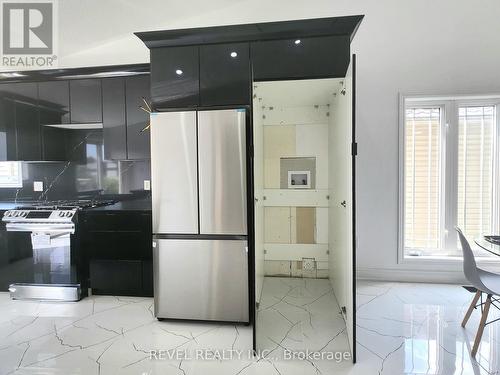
(66, 204)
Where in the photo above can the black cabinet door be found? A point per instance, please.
(27, 122)
(138, 143)
(28, 133)
(118, 246)
(54, 102)
(119, 235)
(122, 277)
(113, 118)
(8, 141)
(85, 100)
(147, 277)
(175, 77)
(318, 57)
(54, 110)
(224, 74)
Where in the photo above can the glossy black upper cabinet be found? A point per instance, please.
(28, 132)
(54, 102)
(175, 77)
(85, 101)
(138, 142)
(224, 74)
(54, 110)
(8, 145)
(318, 57)
(27, 121)
(114, 119)
(19, 122)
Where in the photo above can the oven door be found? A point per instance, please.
(35, 253)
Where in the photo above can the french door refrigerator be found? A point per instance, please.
(198, 183)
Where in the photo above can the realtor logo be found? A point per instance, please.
(28, 31)
(27, 28)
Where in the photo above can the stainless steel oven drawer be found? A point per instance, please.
(46, 292)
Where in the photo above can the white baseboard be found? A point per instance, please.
(411, 275)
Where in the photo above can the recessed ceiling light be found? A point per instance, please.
(179, 72)
(234, 54)
(297, 41)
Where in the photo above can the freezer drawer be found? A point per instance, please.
(222, 172)
(201, 279)
(174, 167)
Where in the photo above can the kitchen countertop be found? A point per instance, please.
(6, 205)
(127, 205)
(143, 204)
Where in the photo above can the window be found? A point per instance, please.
(476, 127)
(422, 177)
(10, 174)
(450, 173)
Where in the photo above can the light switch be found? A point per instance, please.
(37, 185)
(147, 185)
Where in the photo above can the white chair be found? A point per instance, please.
(484, 282)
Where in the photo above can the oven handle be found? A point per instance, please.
(41, 228)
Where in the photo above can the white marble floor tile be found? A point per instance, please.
(402, 328)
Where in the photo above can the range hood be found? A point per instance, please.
(82, 126)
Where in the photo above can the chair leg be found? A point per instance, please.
(482, 324)
(471, 308)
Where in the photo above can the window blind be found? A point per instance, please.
(422, 177)
(475, 169)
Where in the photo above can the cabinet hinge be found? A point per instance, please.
(354, 148)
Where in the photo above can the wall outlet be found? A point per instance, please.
(37, 185)
(147, 185)
(308, 264)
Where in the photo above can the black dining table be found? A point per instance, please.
(488, 245)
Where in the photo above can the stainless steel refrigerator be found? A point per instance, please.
(198, 183)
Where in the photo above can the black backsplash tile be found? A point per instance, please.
(85, 174)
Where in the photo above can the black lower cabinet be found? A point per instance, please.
(147, 277)
(118, 277)
(118, 247)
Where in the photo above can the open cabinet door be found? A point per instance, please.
(256, 205)
(351, 81)
(342, 203)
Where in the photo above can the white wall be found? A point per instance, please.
(294, 126)
(412, 46)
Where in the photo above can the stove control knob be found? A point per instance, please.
(16, 214)
(68, 214)
(23, 214)
(8, 213)
(61, 213)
